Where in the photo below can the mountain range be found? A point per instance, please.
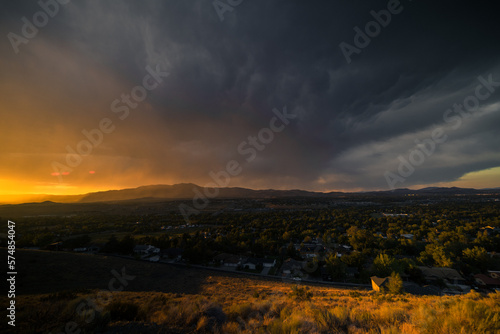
(189, 190)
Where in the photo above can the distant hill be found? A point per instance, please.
(189, 190)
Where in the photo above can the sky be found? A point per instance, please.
(316, 95)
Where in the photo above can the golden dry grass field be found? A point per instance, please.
(67, 293)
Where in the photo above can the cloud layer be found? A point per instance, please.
(353, 119)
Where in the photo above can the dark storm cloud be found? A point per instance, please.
(353, 119)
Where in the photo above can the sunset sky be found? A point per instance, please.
(354, 119)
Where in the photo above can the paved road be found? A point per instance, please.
(262, 275)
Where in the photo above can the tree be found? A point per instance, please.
(359, 239)
(384, 264)
(395, 284)
(355, 259)
(436, 255)
(290, 250)
(111, 246)
(477, 258)
(335, 267)
(126, 245)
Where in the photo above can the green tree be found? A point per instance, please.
(477, 258)
(395, 284)
(384, 265)
(436, 255)
(335, 267)
(360, 239)
(355, 259)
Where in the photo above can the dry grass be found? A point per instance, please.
(230, 305)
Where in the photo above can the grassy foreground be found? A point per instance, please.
(229, 305)
(67, 293)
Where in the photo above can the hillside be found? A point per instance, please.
(163, 299)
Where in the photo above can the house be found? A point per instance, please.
(490, 230)
(254, 263)
(494, 274)
(55, 246)
(268, 263)
(228, 260)
(486, 281)
(291, 266)
(250, 263)
(172, 253)
(379, 283)
(155, 258)
(95, 248)
(448, 275)
(146, 249)
(308, 251)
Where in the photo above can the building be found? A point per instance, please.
(486, 281)
(494, 274)
(379, 283)
(447, 275)
(95, 248)
(146, 249)
(268, 263)
(228, 260)
(172, 253)
(291, 267)
(55, 246)
(250, 263)
(253, 263)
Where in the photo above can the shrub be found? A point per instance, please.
(354, 294)
(300, 293)
(395, 285)
(231, 328)
(240, 310)
(204, 324)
